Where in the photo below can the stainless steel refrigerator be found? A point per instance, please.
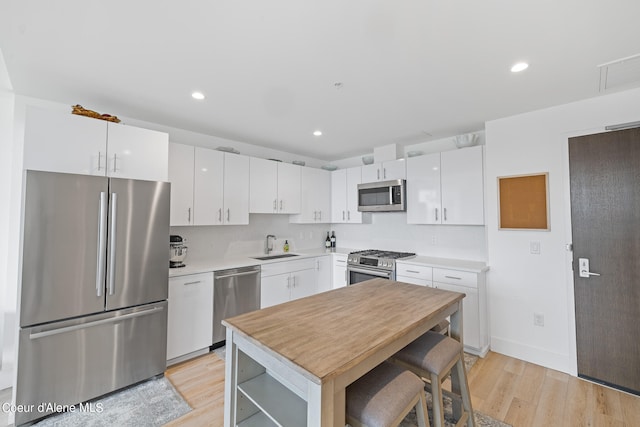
(93, 309)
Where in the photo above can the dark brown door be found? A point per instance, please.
(605, 217)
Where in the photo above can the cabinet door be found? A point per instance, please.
(395, 169)
(303, 283)
(354, 178)
(339, 196)
(315, 202)
(462, 186)
(423, 190)
(322, 190)
(371, 173)
(190, 314)
(470, 312)
(275, 289)
(289, 193)
(58, 142)
(137, 153)
(236, 189)
(339, 271)
(181, 178)
(263, 186)
(207, 187)
(324, 273)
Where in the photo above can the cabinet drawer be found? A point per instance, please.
(271, 269)
(455, 277)
(411, 270)
(192, 279)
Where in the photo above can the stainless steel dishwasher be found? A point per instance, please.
(235, 291)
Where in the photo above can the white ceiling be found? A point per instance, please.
(411, 70)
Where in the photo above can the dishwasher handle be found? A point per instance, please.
(245, 273)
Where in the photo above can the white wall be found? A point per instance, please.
(521, 284)
(7, 304)
(213, 242)
(390, 231)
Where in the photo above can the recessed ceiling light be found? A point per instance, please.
(520, 66)
(317, 133)
(197, 95)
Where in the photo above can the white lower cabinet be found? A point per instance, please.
(339, 270)
(190, 314)
(413, 273)
(324, 273)
(286, 281)
(474, 305)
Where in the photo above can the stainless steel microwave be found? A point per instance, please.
(383, 196)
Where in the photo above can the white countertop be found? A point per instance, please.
(245, 261)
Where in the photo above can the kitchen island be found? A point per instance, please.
(290, 364)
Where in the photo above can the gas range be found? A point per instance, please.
(378, 259)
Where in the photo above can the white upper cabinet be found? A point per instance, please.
(274, 187)
(208, 194)
(423, 189)
(68, 143)
(446, 188)
(315, 205)
(208, 187)
(137, 153)
(344, 196)
(462, 182)
(181, 168)
(385, 171)
(236, 189)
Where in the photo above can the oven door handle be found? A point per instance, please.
(384, 274)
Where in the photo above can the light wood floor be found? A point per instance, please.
(519, 393)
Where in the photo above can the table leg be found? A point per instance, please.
(325, 405)
(230, 380)
(456, 333)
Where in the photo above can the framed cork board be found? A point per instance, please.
(523, 202)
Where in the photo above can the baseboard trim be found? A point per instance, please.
(557, 361)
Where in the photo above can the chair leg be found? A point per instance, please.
(438, 407)
(464, 392)
(421, 411)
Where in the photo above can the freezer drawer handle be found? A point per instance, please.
(96, 323)
(102, 243)
(112, 249)
(246, 273)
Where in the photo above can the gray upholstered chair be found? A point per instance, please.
(384, 396)
(432, 356)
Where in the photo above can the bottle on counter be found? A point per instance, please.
(333, 240)
(285, 248)
(327, 242)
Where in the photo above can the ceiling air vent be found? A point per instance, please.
(622, 73)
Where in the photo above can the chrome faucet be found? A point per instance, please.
(267, 247)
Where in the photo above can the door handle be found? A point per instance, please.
(584, 268)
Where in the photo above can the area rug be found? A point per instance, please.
(152, 403)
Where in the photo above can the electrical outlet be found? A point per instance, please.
(534, 248)
(538, 319)
(434, 241)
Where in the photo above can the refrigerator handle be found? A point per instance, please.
(112, 243)
(102, 243)
(36, 335)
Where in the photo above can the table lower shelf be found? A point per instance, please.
(279, 405)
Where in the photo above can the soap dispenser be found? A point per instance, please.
(285, 248)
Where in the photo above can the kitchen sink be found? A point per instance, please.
(268, 257)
